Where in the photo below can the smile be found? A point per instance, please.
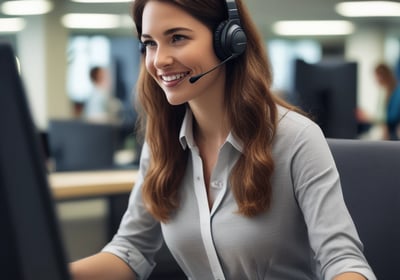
(175, 77)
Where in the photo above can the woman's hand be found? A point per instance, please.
(349, 276)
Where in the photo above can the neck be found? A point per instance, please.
(208, 128)
(210, 117)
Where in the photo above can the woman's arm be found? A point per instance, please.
(102, 266)
(349, 276)
(332, 232)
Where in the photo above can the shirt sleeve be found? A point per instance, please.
(139, 235)
(332, 233)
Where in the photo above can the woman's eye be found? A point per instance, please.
(148, 43)
(177, 38)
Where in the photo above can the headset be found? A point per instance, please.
(229, 37)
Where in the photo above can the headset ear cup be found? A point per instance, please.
(229, 39)
(219, 41)
(236, 40)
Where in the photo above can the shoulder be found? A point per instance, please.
(296, 131)
(291, 123)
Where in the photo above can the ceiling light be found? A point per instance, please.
(91, 21)
(369, 9)
(126, 21)
(11, 25)
(313, 28)
(102, 1)
(26, 7)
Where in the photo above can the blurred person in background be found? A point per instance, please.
(387, 79)
(101, 106)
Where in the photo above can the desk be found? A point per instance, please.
(86, 184)
(113, 185)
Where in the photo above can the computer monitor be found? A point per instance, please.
(31, 244)
(80, 145)
(328, 92)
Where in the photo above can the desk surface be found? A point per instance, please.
(84, 184)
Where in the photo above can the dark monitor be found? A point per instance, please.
(31, 244)
(80, 145)
(328, 92)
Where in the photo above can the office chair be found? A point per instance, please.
(370, 177)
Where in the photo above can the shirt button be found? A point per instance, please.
(217, 184)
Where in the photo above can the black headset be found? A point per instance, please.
(229, 37)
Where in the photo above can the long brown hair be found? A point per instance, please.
(251, 108)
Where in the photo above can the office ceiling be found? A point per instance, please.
(265, 12)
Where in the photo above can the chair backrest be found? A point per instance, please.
(80, 145)
(370, 177)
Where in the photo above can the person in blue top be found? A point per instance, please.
(388, 81)
(238, 184)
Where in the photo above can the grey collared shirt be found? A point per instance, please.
(307, 234)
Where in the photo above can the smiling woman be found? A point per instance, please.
(172, 52)
(224, 155)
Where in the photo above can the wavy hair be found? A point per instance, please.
(251, 107)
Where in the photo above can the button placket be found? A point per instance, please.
(205, 219)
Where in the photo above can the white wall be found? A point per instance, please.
(31, 51)
(367, 47)
(41, 49)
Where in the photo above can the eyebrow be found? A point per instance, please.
(169, 31)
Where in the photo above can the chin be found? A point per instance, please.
(176, 100)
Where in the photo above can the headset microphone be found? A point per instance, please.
(194, 79)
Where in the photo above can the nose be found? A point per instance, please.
(163, 57)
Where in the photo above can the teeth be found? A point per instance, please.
(173, 77)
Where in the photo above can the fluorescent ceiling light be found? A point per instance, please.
(369, 9)
(313, 27)
(91, 21)
(26, 7)
(11, 25)
(126, 21)
(102, 1)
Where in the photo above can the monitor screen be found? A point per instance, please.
(80, 145)
(31, 244)
(328, 92)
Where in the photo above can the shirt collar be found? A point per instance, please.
(186, 134)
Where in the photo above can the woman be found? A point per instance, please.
(388, 81)
(238, 184)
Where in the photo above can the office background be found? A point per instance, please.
(54, 59)
(49, 52)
